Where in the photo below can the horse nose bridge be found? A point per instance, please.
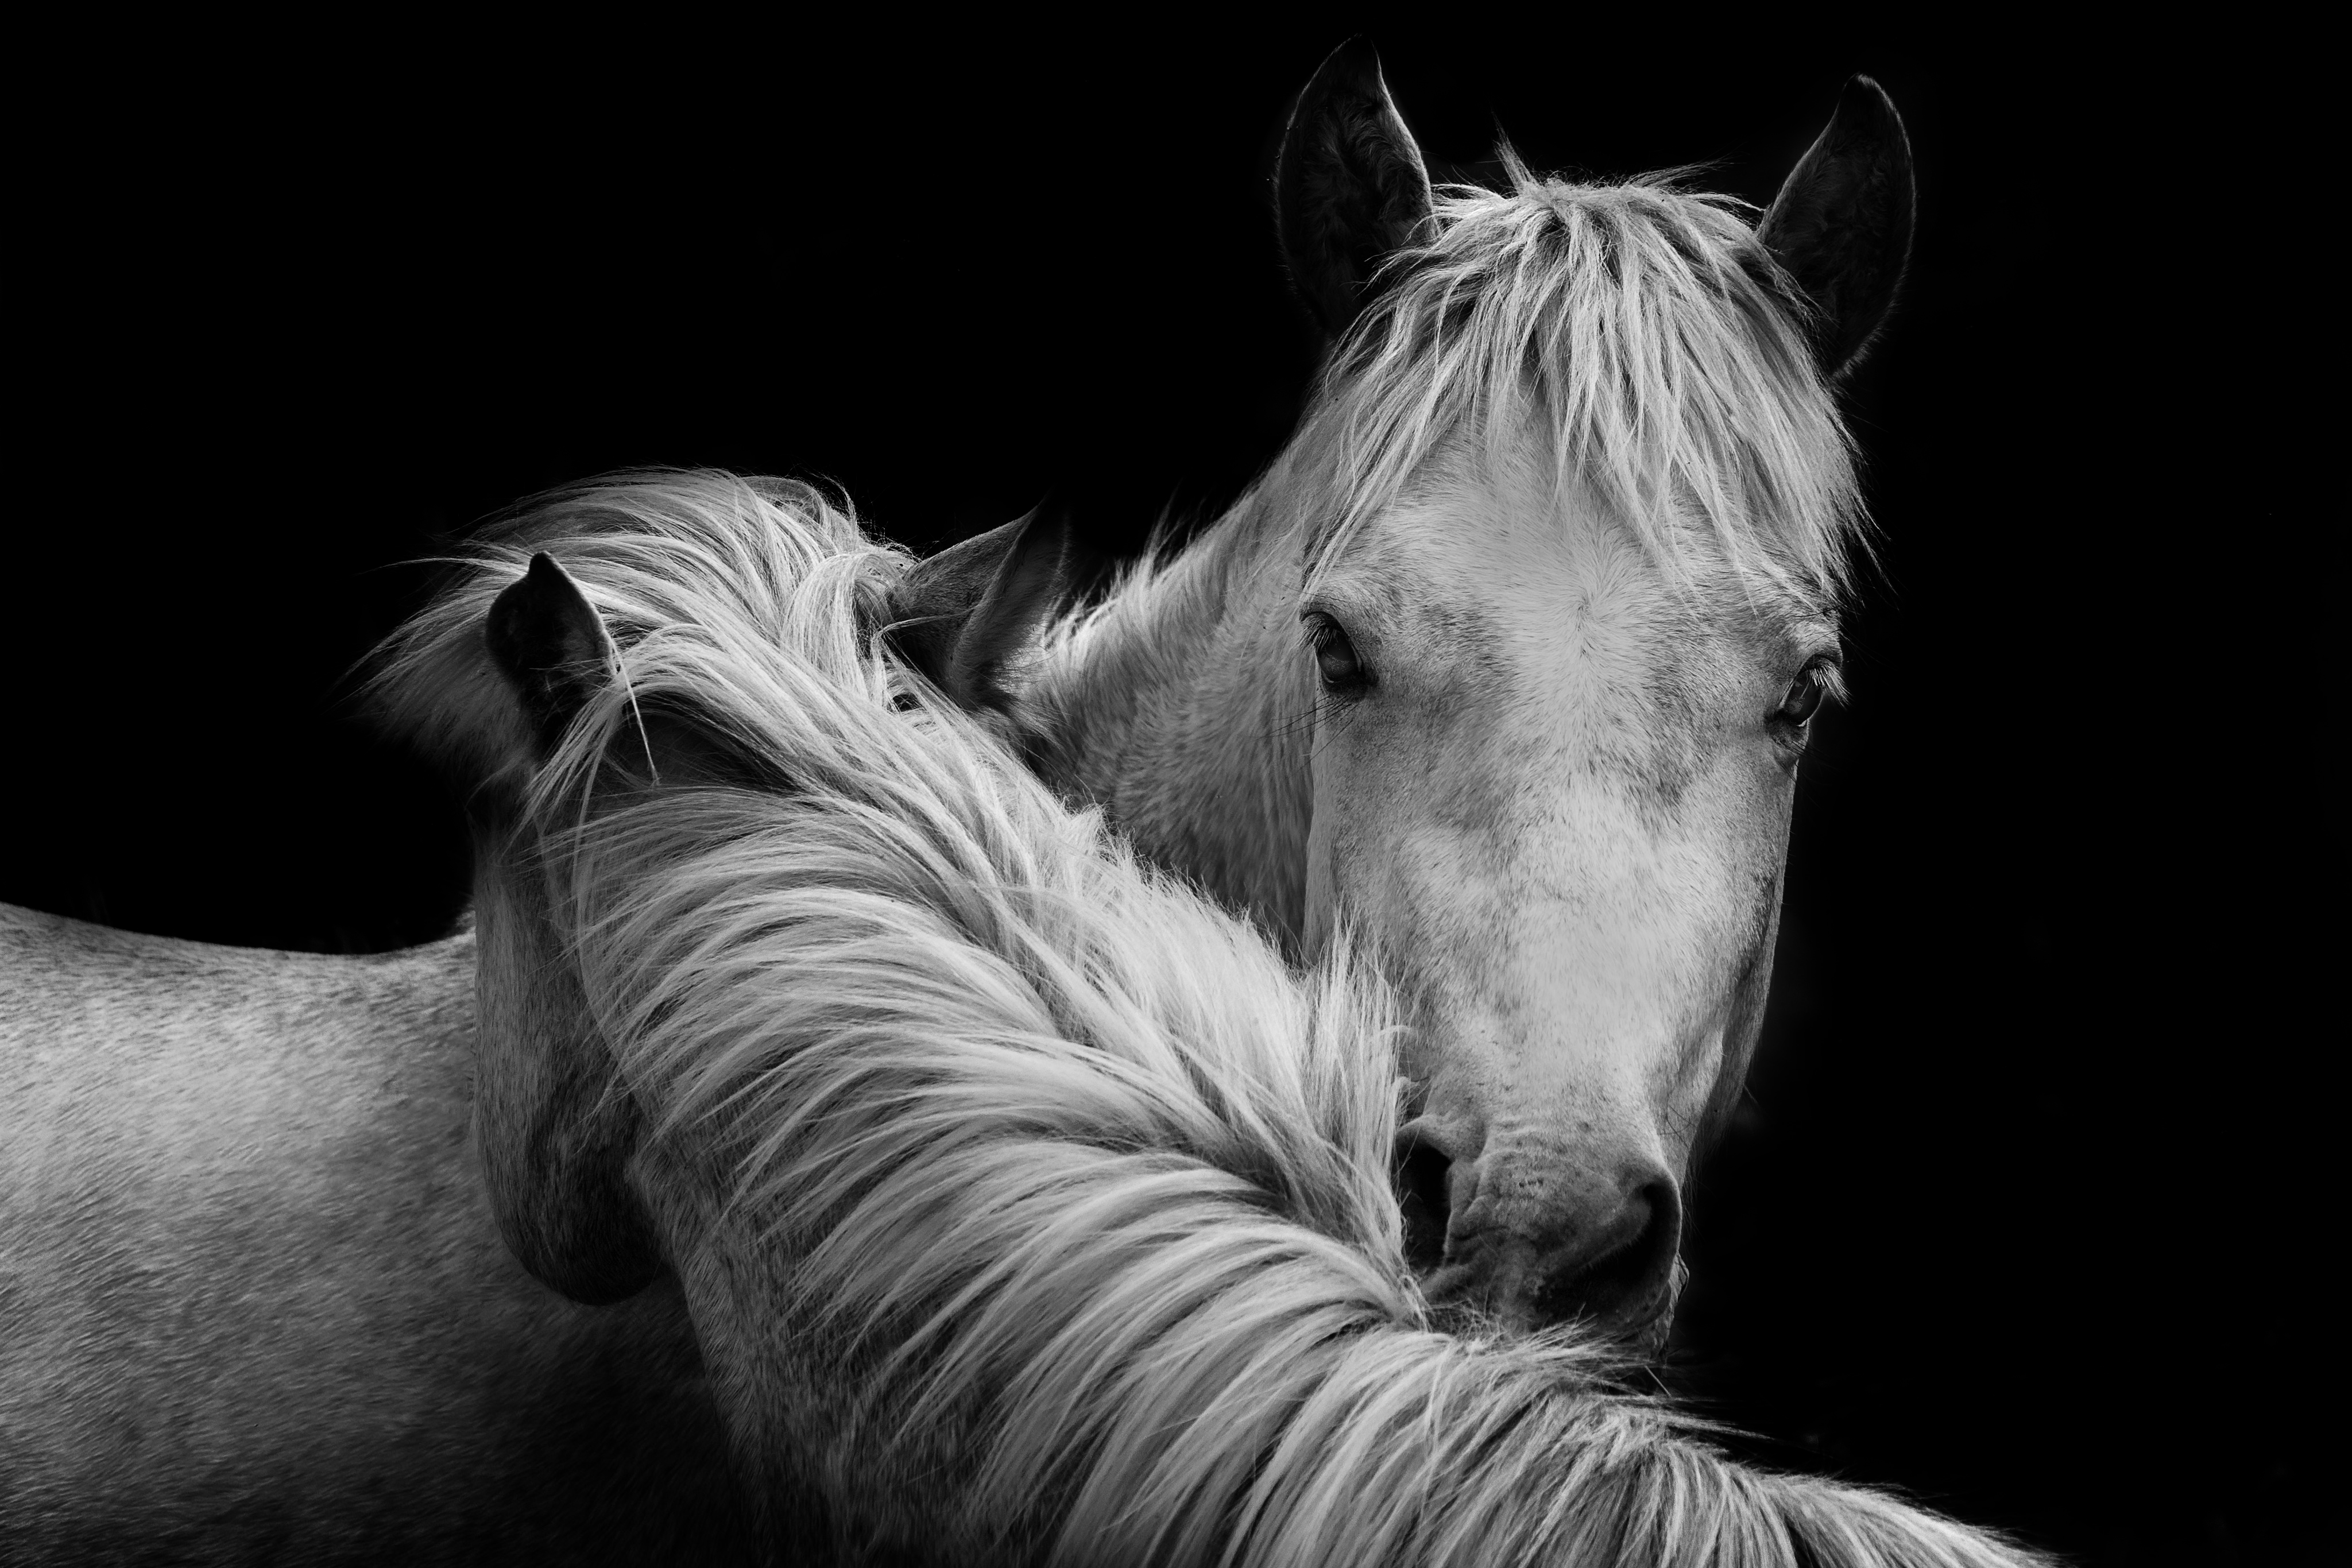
(1585, 831)
(1580, 1067)
(1618, 911)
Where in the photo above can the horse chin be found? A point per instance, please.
(1642, 1333)
(1648, 1344)
(1461, 1302)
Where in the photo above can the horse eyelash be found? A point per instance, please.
(1316, 628)
(1329, 710)
(1330, 713)
(1326, 712)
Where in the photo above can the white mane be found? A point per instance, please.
(752, 560)
(1639, 334)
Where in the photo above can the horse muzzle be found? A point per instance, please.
(1533, 1238)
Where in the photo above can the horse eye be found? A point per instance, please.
(1336, 659)
(1804, 699)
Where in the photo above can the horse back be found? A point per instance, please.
(254, 1306)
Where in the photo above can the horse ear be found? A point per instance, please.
(961, 616)
(1349, 187)
(548, 643)
(1842, 225)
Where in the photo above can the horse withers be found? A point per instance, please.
(1511, 657)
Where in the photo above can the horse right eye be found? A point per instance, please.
(1803, 698)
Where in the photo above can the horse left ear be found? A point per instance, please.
(961, 616)
(548, 642)
(1842, 225)
(1349, 187)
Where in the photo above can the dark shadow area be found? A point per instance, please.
(2024, 1214)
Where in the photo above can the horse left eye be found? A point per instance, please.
(1804, 699)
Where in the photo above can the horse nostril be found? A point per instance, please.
(1622, 1274)
(1423, 1173)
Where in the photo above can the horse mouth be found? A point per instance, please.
(1485, 1294)
(1421, 1201)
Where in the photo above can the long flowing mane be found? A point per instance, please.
(1639, 334)
(754, 561)
(1082, 1194)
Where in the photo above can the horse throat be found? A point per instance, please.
(1181, 706)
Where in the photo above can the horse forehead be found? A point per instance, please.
(1555, 605)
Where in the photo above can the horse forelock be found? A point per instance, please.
(1639, 335)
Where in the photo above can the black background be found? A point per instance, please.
(2025, 1215)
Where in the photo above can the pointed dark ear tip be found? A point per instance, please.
(1360, 58)
(541, 577)
(1041, 542)
(532, 618)
(1864, 106)
(543, 637)
(1354, 65)
(1046, 524)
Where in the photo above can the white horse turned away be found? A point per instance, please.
(255, 1302)
(1029, 1208)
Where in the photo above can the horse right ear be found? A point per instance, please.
(550, 644)
(961, 615)
(1349, 186)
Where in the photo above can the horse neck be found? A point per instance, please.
(555, 1139)
(1181, 706)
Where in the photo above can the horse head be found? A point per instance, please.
(1547, 583)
